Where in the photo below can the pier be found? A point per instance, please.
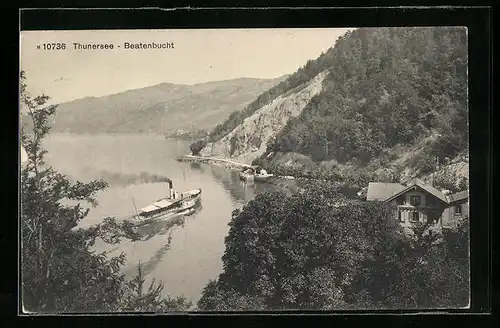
(213, 160)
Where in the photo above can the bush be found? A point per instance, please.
(422, 162)
(197, 146)
(429, 271)
(298, 252)
(448, 179)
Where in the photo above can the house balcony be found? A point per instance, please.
(408, 214)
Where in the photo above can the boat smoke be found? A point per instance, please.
(125, 179)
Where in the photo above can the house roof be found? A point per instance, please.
(381, 191)
(419, 183)
(461, 195)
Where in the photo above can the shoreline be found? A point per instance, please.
(290, 183)
(232, 165)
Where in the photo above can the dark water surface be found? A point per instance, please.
(131, 164)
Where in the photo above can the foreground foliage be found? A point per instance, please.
(59, 270)
(318, 249)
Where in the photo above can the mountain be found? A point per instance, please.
(164, 108)
(248, 140)
(381, 104)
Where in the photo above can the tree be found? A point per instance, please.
(316, 249)
(216, 298)
(197, 146)
(59, 270)
(427, 271)
(134, 298)
(301, 251)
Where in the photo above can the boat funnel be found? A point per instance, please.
(170, 184)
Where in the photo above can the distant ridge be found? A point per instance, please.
(167, 84)
(162, 108)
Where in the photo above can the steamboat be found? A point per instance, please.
(169, 207)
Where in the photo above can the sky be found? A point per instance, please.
(197, 56)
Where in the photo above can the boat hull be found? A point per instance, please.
(262, 178)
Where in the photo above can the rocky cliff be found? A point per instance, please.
(248, 141)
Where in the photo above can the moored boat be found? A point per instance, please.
(247, 177)
(262, 176)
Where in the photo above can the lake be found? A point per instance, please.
(194, 254)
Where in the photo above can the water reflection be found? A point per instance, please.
(241, 191)
(196, 166)
(160, 228)
(148, 266)
(238, 190)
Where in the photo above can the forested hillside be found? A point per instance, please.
(292, 83)
(387, 87)
(392, 106)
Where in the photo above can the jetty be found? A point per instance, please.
(214, 160)
(227, 163)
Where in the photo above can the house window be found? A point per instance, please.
(415, 216)
(400, 216)
(431, 201)
(415, 200)
(458, 210)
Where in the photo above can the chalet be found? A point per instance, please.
(421, 202)
(457, 210)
